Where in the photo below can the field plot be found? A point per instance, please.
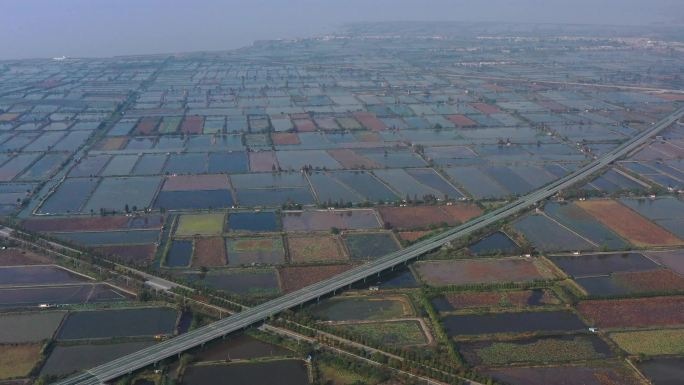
(69, 294)
(366, 185)
(262, 161)
(135, 254)
(196, 182)
(370, 245)
(228, 162)
(240, 347)
(469, 300)
(37, 275)
(602, 264)
(136, 322)
(14, 256)
(70, 196)
(18, 360)
(251, 251)
(362, 308)
(296, 277)
(526, 322)
(318, 220)
(16, 328)
(535, 350)
(352, 160)
(200, 224)
(116, 193)
(253, 282)
(584, 224)
(629, 224)
(261, 221)
(651, 342)
(192, 125)
(195, 192)
(99, 238)
(391, 333)
(66, 359)
(634, 313)
(471, 271)
(664, 370)
(667, 212)
(209, 252)
(602, 374)
(330, 191)
(673, 260)
(179, 254)
(547, 235)
(98, 223)
(146, 126)
(495, 243)
(282, 372)
(425, 216)
(627, 283)
(303, 249)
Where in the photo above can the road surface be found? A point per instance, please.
(153, 354)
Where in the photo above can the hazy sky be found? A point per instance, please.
(47, 28)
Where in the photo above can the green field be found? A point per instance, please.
(335, 376)
(360, 308)
(651, 342)
(18, 360)
(200, 224)
(402, 333)
(561, 349)
(170, 124)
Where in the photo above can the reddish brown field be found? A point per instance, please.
(671, 97)
(639, 312)
(412, 236)
(146, 126)
(496, 88)
(135, 254)
(304, 125)
(654, 281)
(462, 121)
(351, 160)
(16, 257)
(93, 223)
(628, 223)
(8, 117)
(487, 299)
(471, 271)
(424, 216)
(369, 121)
(486, 108)
(296, 277)
(196, 182)
(262, 161)
(192, 125)
(551, 105)
(209, 252)
(367, 136)
(305, 249)
(285, 138)
(110, 144)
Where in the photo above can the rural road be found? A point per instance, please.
(134, 361)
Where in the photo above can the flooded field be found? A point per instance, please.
(285, 372)
(118, 323)
(511, 323)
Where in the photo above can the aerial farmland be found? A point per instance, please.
(144, 198)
